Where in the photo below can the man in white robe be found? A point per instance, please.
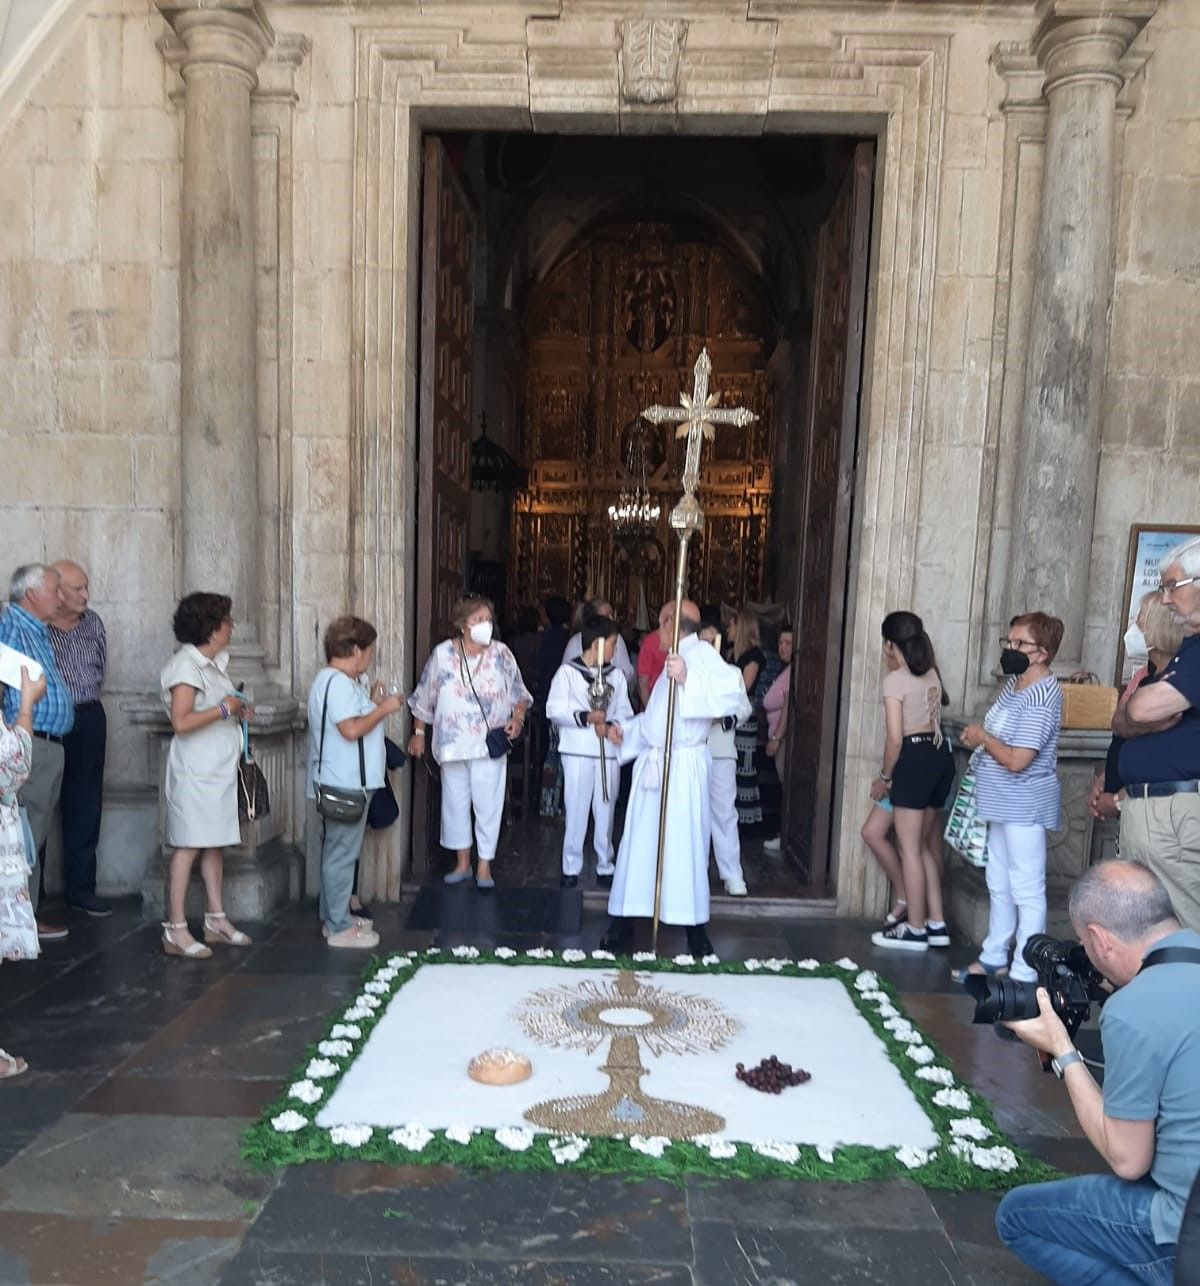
(708, 689)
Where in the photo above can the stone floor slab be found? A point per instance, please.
(727, 1255)
(360, 1208)
(778, 1203)
(49, 1250)
(179, 1096)
(145, 1167)
(256, 1267)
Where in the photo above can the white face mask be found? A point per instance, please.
(481, 633)
(1135, 641)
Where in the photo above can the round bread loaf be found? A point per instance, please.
(499, 1067)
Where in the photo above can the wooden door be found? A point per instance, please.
(826, 471)
(443, 435)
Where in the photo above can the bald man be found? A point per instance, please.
(81, 649)
(708, 689)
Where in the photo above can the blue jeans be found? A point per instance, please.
(1090, 1231)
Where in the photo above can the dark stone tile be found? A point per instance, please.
(778, 1203)
(585, 1217)
(968, 1216)
(50, 1250)
(994, 1266)
(146, 1167)
(731, 1256)
(1072, 1156)
(245, 1027)
(179, 1096)
(257, 1267)
(33, 1102)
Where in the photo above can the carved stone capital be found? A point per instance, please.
(1080, 42)
(233, 38)
(650, 50)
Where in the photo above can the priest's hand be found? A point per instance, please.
(597, 718)
(614, 734)
(676, 669)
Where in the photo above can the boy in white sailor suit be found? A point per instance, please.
(582, 732)
(722, 791)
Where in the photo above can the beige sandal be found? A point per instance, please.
(11, 1065)
(230, 938)
(357, 937)
(193, 951)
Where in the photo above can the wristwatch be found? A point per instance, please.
(1059, 1065)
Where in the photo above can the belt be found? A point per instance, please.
(1159, 789)
(919, 738)
(84, 705)
(49, 736)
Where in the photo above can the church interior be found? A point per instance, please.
(601, 266)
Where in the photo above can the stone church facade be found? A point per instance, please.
(209, 242)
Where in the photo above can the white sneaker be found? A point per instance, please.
(937, 935)
(773, 845)
(736, 888)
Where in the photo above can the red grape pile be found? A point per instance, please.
(771, 1076)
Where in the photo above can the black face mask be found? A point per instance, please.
(1013, 661)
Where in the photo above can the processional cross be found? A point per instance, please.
(697, 417)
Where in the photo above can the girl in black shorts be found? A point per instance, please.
(917, 774)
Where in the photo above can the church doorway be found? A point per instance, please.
(566, 285)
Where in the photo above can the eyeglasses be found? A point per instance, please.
(1018, 645)
(1170, 586)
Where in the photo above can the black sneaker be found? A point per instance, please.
(90, 904)
(568, 881)
(937, 933)
(900, 937)
(699, 944)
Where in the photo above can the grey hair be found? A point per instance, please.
(1125, 898)
(26, 577)
(1187, 555)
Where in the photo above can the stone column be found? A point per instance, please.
(1059, 448)
(222, 48)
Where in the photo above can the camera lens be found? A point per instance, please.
(1001, 1000)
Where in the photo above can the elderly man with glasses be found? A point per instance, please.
(1160, 760)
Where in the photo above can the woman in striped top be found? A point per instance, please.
(1017, 790)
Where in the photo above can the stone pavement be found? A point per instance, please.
(119, 1149)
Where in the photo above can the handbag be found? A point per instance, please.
(966, 831)
(1087, 703)
(384, 808)
(498, 742)
(254, 799)
(339, 803)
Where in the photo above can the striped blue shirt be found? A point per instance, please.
(54, 714)
(1029, 718)
(82, 655)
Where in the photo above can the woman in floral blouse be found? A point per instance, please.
(18, 928)
(470, 684)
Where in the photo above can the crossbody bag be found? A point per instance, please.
(498, 741)
(339, 803)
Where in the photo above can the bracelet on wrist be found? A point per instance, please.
(223, 709)
(883, 777)
(418, 732)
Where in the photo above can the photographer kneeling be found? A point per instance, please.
(1121, 1228)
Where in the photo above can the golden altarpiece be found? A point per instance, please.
(616, 326)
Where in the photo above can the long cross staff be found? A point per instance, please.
(697, 417)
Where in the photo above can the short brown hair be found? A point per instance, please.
(1047, 631)
(467, 606)
(345, 633)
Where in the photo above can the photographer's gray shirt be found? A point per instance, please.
(1150, 1029)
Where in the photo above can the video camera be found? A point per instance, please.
(1063, 968)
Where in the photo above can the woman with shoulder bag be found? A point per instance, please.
(1017, 791)
(347, 757)
(200, 785)
(473, 697)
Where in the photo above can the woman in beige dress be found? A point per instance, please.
(201, 779)
(18, 928)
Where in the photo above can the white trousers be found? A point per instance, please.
(722, 796)
(1016, 881)
(473, 784)
(583, 794)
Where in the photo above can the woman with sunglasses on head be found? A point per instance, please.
(1017, 791)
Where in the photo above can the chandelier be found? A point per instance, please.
(634, 516)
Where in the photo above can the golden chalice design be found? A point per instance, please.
(627, 1010)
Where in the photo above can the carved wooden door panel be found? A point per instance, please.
(443, 433)
(827, 491)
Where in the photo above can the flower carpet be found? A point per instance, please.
(635, 1070)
